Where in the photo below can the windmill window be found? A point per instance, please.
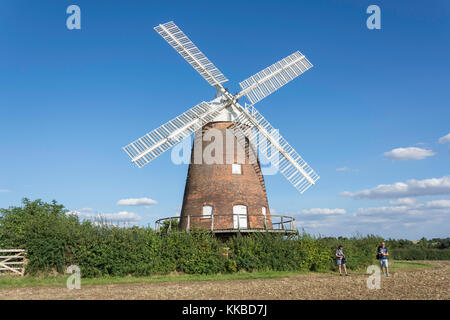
(263, 211)
(236, 168)
(240, 217)
(207, 211)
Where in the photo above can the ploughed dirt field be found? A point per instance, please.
(430, 283)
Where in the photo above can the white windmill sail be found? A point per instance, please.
(189, 51)
(272, 78)
(256, 88)
(251, 123)
(156, 142)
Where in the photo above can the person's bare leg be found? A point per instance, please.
(340, 271)
(345, 269)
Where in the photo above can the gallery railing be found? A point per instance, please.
(272, 223)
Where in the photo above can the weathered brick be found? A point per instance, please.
(216, 186)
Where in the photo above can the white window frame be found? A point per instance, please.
(240, 220)
(207, 214)
(263, 211)
(236, 168)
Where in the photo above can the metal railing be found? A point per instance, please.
(271, 223)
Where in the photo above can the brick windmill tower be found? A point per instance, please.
(225, 190)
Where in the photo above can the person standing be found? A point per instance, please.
(341, 260)
(382, 255)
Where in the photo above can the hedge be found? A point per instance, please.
(420, 254)
(55, 239)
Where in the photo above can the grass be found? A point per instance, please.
(60, 280)
(396, 265)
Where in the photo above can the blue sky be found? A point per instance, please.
(70, 99)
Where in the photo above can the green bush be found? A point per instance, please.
(420, 254)
(314, 252)
(359, 251)
(266, 251)
(43, 229)
(106, 250)
(194, 252)
(435, 243)
(55, 240)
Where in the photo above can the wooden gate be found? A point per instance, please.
(13, 260)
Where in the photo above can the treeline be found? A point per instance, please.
(435, 243)
(55, 240)
(403, 249)
(423, 249)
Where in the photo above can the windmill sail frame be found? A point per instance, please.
(255, 88)
(291, 164)
(156, 142)
(272, 78)
(191, 53)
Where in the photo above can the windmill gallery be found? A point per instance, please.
(225, 190)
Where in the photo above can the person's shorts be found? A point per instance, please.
(384, 263)
(338, 261)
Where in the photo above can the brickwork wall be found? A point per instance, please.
(215, 185)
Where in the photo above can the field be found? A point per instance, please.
(409, 280)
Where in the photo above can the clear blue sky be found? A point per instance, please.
(70, 99)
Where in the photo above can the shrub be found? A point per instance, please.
(267, 251)
(55, 240)
(43, 229)
(360, 251)
(420, 254)
(106, 250)
(193, 252)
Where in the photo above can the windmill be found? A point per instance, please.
(228, 197)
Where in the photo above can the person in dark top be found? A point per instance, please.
(382, 256)
(341, 260)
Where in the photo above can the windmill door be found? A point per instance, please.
(240, 217)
